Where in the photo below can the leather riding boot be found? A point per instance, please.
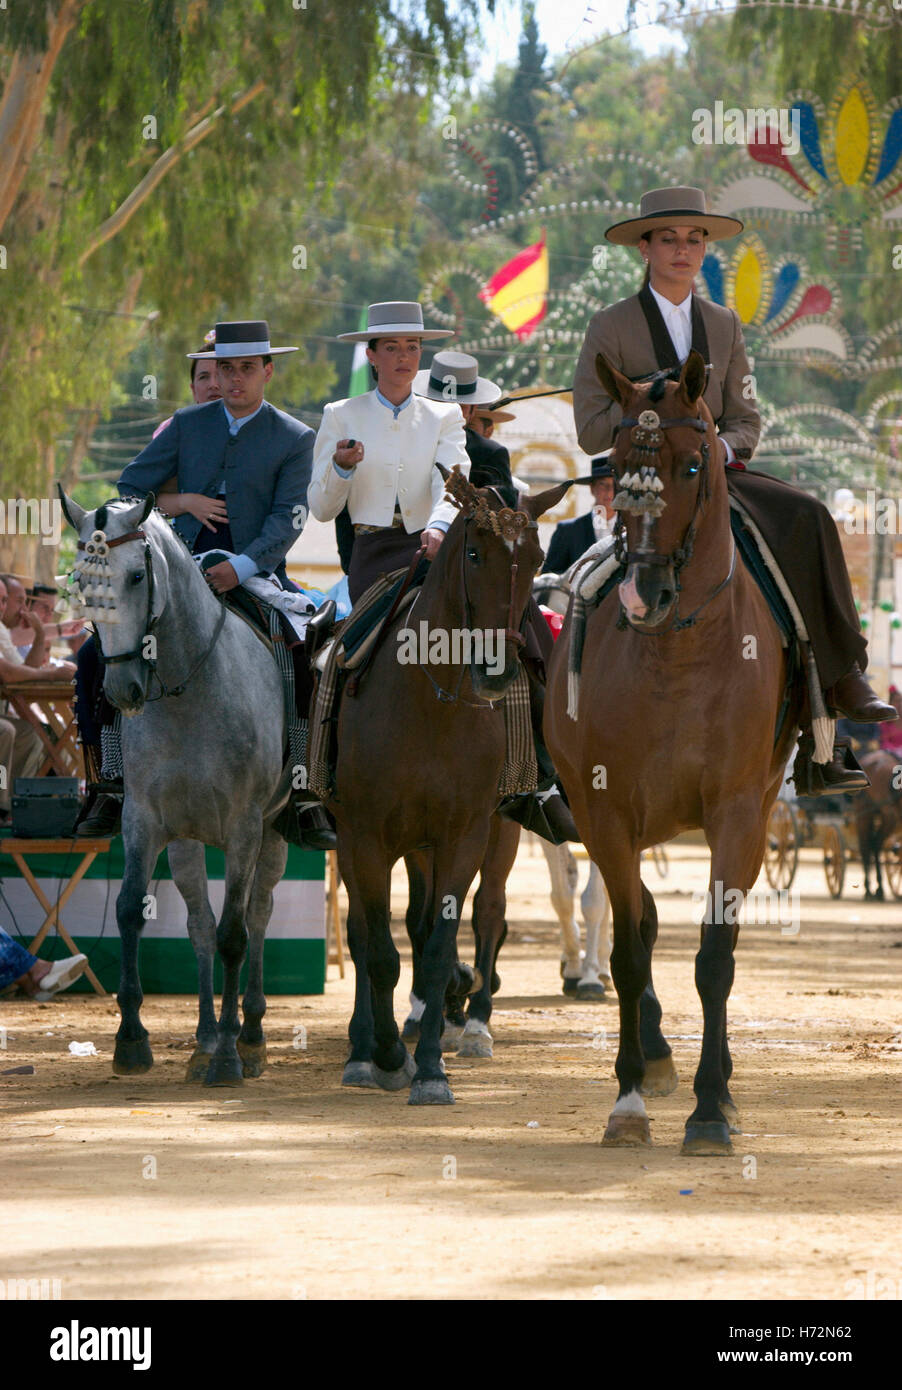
(841, 774)
(853, 697)
(104, 819)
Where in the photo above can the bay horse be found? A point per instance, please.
(878, 812)
(202, 744)
(677, 729)
(421, 746)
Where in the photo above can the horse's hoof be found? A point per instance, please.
(359, 1074)
(590, 993)
(398, 1079)
(570, 987)
(451, 1036)
(224, 1071)
(476, 1040)
(660, 1077)
(411, 1030)
(627, 1131)
(431, 1092)
(731, 1115)
(253, 1057)
(707, 1138)
(198, 1065)
(132, 1056)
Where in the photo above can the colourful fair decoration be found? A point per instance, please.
(788, 316)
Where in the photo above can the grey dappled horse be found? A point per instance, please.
(202, 743)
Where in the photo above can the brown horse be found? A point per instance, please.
(676, 730)
(421, 747)
(877, 814)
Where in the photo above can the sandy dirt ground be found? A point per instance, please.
(293, 1187)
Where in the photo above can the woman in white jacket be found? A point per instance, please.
(377, 452)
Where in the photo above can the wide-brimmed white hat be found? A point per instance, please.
(244, 338)
(672, 207)
(395, 319)
(454, 377)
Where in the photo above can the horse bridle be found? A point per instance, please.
(677, 559)
(511, 634)
(150, 623)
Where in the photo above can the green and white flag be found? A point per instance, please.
(361, 381)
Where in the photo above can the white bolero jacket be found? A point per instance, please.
(399, 458)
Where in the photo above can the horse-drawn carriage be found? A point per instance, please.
(829, 823)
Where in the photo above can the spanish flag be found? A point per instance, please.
(518, 292)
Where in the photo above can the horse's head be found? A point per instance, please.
(663, 456)
(121, 583)
(491, 554)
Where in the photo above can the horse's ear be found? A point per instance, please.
(73, 513)
(544, 501)
(692, 378)
(615, 383)
(150, 502)
(444, 471)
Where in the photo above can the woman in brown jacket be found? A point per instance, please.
(652, 332)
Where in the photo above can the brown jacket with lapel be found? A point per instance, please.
(622, 333)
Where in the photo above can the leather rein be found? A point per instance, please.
(677, 559)
(150, 623)
(511, 634)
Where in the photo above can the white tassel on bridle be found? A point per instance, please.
(94, 590)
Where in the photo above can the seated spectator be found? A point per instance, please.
(39, 979)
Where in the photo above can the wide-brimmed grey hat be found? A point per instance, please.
(395, 319)
(244, 338)
(454, 377)
(672, 207)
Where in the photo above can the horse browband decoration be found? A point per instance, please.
(506, 522)
(96, 594)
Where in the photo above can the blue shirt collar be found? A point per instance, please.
(395, 409)
(235, 425)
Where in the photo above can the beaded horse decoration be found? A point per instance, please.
(506, 523)
(641, 492)
(94, 587)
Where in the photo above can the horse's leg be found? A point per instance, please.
(863, 828)
(455, 868)
(132, 1053)
(563, 874)
(270, 868)
(419, 915)
(595, 976)
(631, 967)
(242, 853)
(392, 1065)
(878, 836)
(189, 872)
(660, 1076)
(737, 842)
(490, 929)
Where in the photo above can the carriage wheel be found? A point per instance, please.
(834, 861)
(892, 864)
(781, 852)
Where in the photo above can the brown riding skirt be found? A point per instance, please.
(379, 552)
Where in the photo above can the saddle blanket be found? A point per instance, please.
(353, 642)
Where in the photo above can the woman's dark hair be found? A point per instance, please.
(371, 344)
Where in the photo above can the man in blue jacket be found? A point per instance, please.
(241, 467)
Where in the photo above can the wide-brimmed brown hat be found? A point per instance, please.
(673, 207)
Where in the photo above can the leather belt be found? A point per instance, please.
(363, 530)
